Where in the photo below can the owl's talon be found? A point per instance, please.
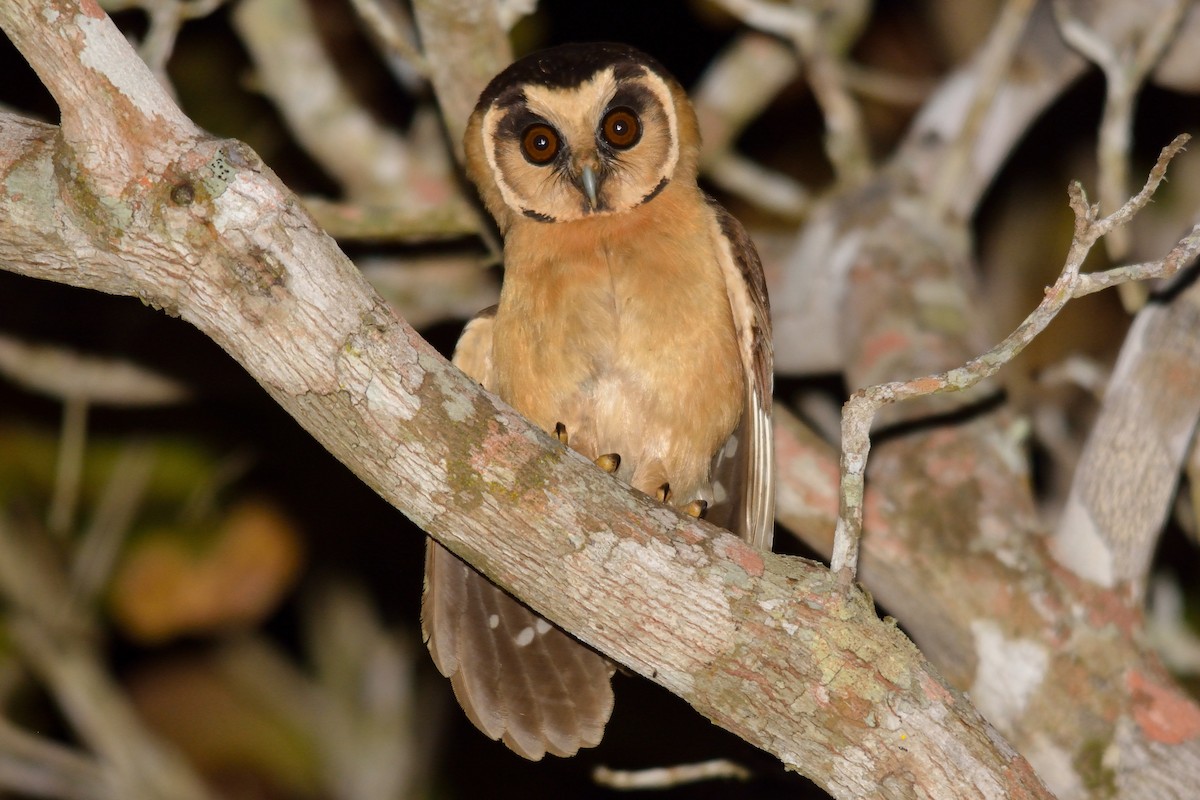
(663, 493)
(560, 433)
(696, 508)
(609, 462)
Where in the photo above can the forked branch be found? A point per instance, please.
(860, 410)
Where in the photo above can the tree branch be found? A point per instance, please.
(862, 407)
(763, 645)
(1126, 61)
(1125, 485)
(809, 299)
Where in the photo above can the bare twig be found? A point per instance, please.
(1126, 65)
(466, 45)
(80, 381)
(55, 640)
(820, 39)
(62, 373)
(375, 166)
(368, 222)
(770, 190)
(809, 298)
(72, 442)
(1122, 491)
(992, 68)
(34, 766)
(98, 548)
(889, 88)
(733, 91)
(670, 777)
(102, 715)
(393, 27)
(859, 411)
(166, 18)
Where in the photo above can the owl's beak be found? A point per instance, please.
(590, 183)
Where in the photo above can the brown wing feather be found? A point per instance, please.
(744, 470)
(517, 677)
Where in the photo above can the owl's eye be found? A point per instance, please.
(621, 128)
(539, 142)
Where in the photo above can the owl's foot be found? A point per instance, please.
(609, 462)
(696, 508)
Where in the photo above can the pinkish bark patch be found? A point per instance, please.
(1162, 712)
(740, 553)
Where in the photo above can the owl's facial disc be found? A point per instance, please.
(604, 146)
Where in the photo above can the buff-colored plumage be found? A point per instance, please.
(634, 317)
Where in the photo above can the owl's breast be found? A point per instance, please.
(557, 334)
(629, 342)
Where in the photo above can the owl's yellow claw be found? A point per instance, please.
(609, 462)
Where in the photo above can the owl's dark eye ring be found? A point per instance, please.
(621, 128)
(539, 144)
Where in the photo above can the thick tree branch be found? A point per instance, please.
(465, 44)
(763, 645)
(1125, 485)
(809, 299)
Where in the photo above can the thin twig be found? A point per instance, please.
(69, 473)
(1125, 67)
(60, 372)
(99, 711)
(992, 69)
(98, 548)
(770, 190)
(375, 166)
(35, 766)
(55, 640)
(166, 17)
(859, 411)
(393, 27)
(733, 91)
(820, 40)
(887, 88)
(670, 777)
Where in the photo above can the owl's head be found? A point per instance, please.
(578, 131)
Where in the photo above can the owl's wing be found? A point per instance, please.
(744, 470)
(473, 353)
(517, 677)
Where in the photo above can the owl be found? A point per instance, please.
(632, 323)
